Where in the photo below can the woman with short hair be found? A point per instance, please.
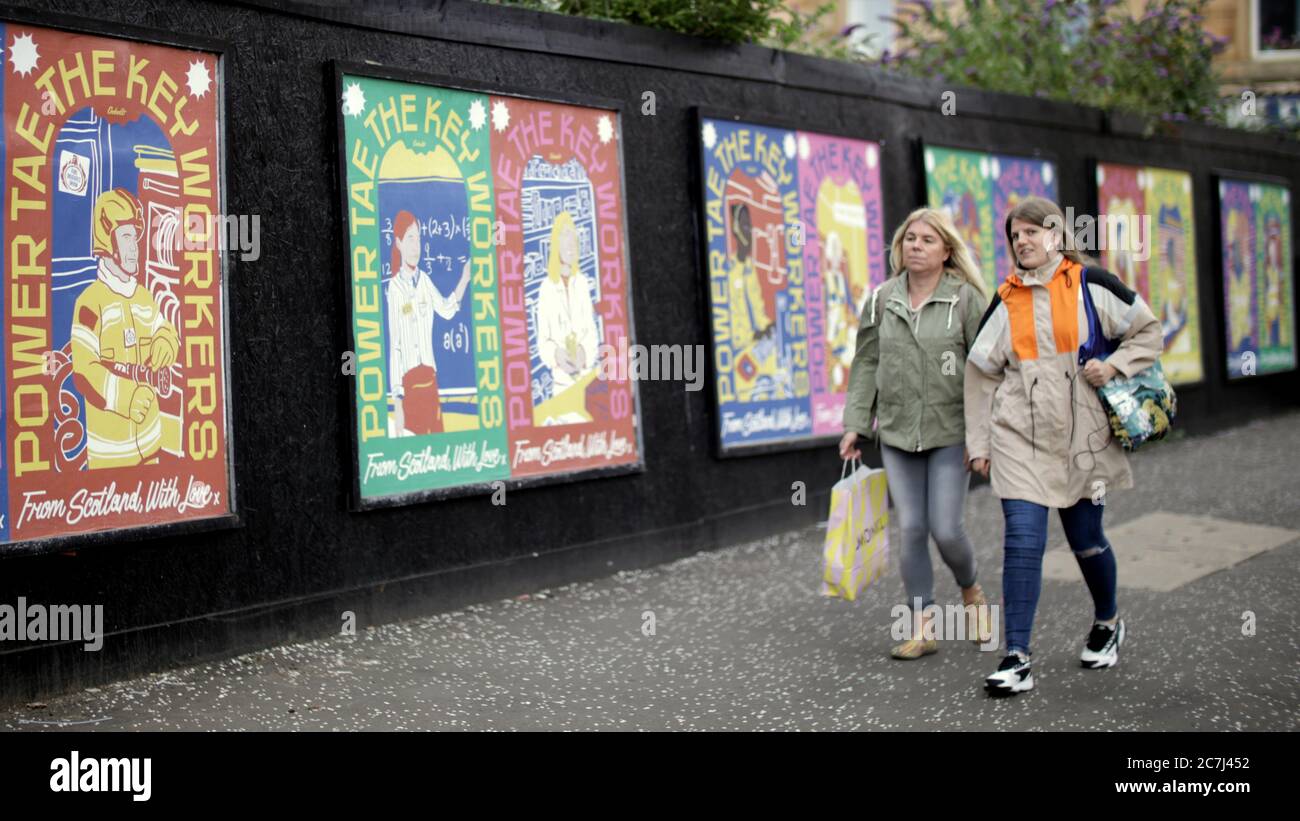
(1036, 426)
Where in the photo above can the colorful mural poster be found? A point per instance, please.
(1147, 237)
(1258, 277)
(844, 258)
(1014, 179)
(1274, 278)
(977, 189)
(1237, 227)
(794, 226)
(489, 274)
(115, 355)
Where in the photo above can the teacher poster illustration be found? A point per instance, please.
(489, 275)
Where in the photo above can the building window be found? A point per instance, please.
(872, 35)
(1276, 26)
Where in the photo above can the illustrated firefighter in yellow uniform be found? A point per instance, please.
(122, 346)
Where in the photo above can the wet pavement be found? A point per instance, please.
(742, 639)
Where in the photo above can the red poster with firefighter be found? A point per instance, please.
(114, 380)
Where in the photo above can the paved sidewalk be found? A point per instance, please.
(743, 640)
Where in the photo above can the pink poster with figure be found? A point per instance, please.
(844, 254)
(1121, 198)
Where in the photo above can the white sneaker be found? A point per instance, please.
(1102, 647)
(1013, 676)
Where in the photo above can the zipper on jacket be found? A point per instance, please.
(920, 416)
(1033, 426)
(1072, 410)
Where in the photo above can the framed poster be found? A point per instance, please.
(1258, 276)
(1146, 236)
(977, 189)
(115, 378)
(794, 243)
(488, 287)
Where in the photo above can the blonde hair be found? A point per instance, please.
(1039, 211)
(959, 259)
(563, 222)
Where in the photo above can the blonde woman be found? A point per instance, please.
(566, 322)
(907, 374)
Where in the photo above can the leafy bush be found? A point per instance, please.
(764, 22)
(1157, 65)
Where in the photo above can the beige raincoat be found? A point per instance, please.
(1029, 410)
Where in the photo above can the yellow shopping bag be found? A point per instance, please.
(856, 551)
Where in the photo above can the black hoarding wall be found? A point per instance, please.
(300, 557)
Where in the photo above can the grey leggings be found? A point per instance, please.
(928, 489)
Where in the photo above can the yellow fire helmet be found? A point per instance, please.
(113, 209)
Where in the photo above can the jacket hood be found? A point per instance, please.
(949, 285)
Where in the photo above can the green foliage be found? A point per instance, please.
(764, 22)
(1157, 65)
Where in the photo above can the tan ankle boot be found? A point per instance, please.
(979, 621)
(916, 647)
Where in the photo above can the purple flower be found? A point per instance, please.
(1049, 5)
(1162, 71)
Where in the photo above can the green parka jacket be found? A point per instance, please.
(909, 368)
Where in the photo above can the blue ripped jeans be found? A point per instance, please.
(1022, 564)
